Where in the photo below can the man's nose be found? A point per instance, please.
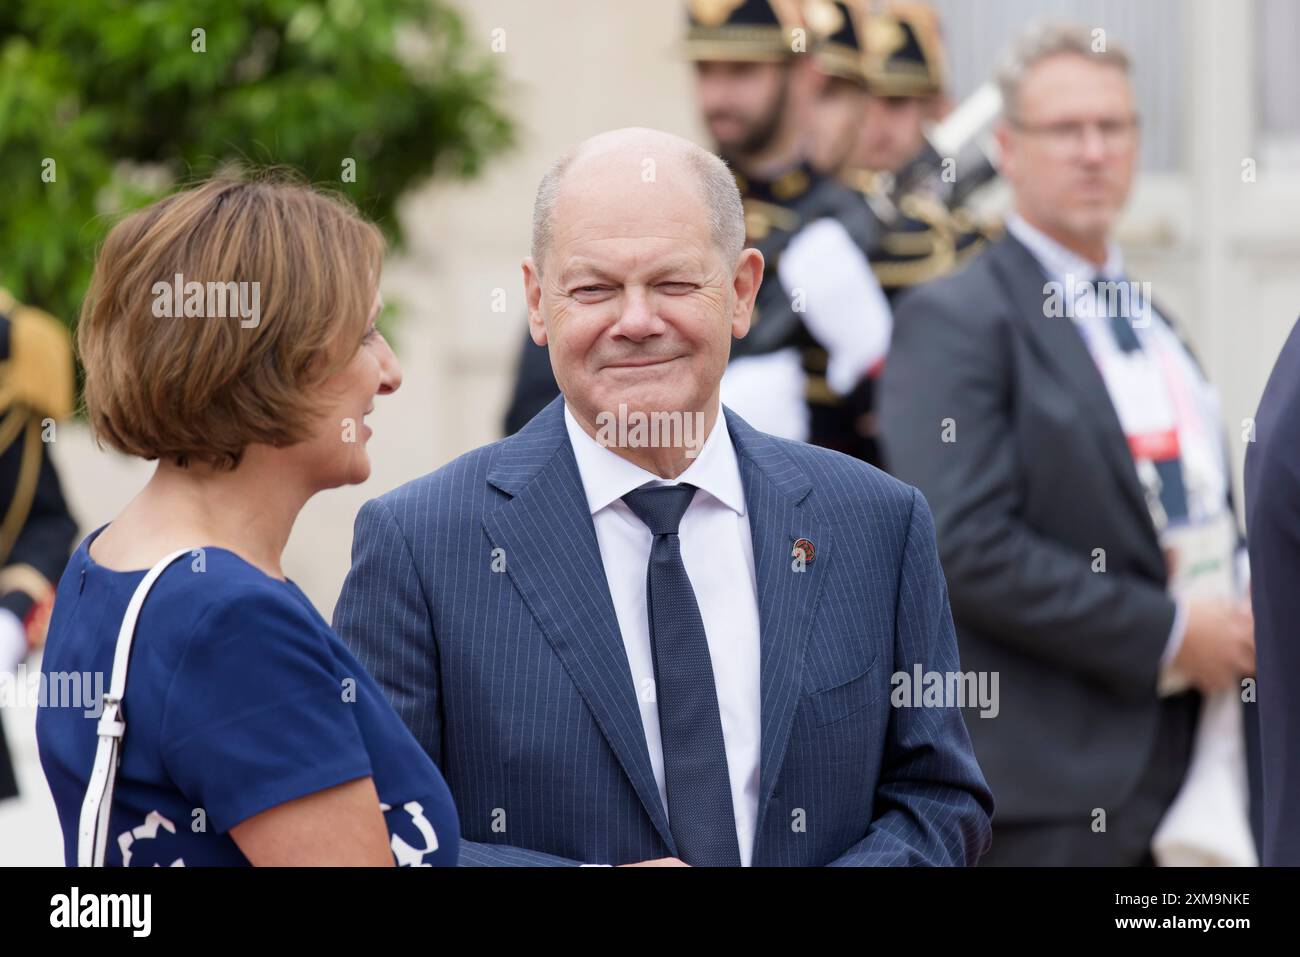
(1093, 147)
(716, 95)
(638, 319)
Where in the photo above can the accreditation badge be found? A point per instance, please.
(1202, 557)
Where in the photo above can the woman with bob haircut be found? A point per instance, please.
(255, 737)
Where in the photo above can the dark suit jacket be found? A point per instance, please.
(516, 680)
(1273, 521)
(1038, 478)
(534, 388)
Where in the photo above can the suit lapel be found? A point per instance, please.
(553, 559)
(1065, 348)
(775, 490)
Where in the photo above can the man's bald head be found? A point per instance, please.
(627, 151)
(647, 282)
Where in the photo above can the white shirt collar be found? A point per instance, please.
(1060, 263)
(607, 476)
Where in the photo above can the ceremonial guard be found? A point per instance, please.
(36, 532)
(914, 164)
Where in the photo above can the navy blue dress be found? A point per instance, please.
(239, 698)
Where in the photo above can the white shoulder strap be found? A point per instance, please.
(92, 837)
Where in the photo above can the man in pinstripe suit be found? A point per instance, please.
(668, 644)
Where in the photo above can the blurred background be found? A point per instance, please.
(453, 110)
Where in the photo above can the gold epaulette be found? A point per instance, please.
(26, 579)
(761, 218)
(38, 371)
(865, 181)
(922, 254)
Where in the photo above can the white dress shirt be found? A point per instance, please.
(718, 552)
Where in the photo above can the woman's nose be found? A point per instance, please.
(390, 371)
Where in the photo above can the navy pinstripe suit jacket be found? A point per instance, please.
(517, 684)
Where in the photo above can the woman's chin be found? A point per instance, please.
(353, 471)
(359, 469)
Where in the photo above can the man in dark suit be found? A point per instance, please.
(1273, 523)
(1071, 451)
(626, 646)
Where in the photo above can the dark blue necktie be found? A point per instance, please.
(1121, 326)
(695, 758)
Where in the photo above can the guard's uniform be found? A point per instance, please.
(36, 531)
(921, 238)
(821, 323)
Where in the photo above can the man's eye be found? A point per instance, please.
(677, 288)
(591, 290)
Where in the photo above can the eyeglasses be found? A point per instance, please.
(1070, 135)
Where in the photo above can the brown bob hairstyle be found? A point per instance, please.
(202, 388)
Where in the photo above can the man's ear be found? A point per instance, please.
(533, 299)
(745, 283)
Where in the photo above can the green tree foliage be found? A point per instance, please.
(128, 100)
